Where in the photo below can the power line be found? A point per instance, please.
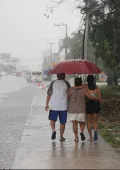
(80, 26)
(58, 3)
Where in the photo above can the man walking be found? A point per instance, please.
(57, 93)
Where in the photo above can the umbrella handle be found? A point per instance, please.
(74, 57)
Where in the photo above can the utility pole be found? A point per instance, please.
(46, 61)
(50, 43)
(66, 35)
(60, 43)
(83, 41)
(66, 49)
(86, 30)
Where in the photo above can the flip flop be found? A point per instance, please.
(76, 139)
(82, 136)
(95, 136)
(90, 140)
(53, 137)
(62, 139)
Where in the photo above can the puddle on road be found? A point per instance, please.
(3, 95)
(10, 84)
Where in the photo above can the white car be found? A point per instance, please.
(3, 73)
(13, 74)
(34, 78)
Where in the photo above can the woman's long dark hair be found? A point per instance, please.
(91, 82)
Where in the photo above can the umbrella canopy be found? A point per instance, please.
(75, 67)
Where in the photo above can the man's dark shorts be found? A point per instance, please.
(53, 115)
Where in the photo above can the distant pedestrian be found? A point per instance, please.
(39, 78)
(58, 94)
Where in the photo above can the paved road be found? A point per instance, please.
(37, 151)
(10, 83)
(14, 109)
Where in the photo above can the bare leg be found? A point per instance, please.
(95, 125)
(82, 127)
(62, 129)
(95, 121)
(75, 129)
(89, 125)
(52, 124)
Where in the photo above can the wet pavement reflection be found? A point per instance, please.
(38, 151)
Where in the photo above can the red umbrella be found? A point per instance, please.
(75, 67)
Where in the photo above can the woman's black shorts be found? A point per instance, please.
(92, 106)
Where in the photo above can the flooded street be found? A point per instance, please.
(11, 83)
(26, 135)
(15, 101)
(59, 72)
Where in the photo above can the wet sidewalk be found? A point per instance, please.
(37, 151)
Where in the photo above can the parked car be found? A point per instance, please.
(14, 74)
(3, 73)
(28, 77)
(34, 78)
(18, 74)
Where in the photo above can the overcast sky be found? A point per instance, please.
(24, 30)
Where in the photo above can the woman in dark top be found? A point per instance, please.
(92, 107)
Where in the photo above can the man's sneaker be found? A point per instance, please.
(95, 136)
(82, 136)
(53, 137)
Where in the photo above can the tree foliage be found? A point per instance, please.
(105, 35)
(74, 44)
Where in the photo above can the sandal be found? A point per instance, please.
(82, 136)
(95, 136)
(76, 139)
(62, 139)
(91, 139)
(53, 137)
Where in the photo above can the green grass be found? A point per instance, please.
(111, 133)
(109, 121)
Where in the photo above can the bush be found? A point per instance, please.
(110, 91)
(110, 105)
(109, 120)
